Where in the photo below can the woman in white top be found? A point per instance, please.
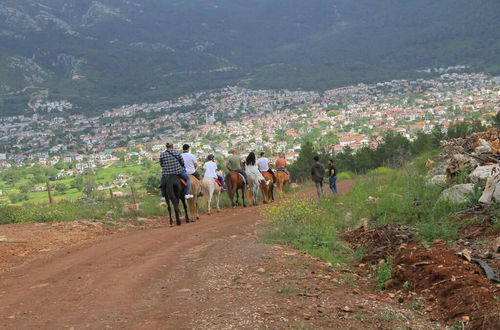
(251, 167)
(210, 168)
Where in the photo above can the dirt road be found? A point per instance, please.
(211, 274)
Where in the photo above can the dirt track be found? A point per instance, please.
(211, 274)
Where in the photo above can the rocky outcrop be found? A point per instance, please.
(458, 194)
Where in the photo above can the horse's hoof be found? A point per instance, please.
(171, 226)
(197, 218)
(178, 223)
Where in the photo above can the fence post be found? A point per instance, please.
(49, 192)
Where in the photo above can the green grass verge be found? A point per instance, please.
(384, 196)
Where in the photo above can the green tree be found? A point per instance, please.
(61, 187)
(26, 187)
(89, 184)
(301, 168)
(77, 183)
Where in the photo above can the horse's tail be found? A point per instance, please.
(229, 185)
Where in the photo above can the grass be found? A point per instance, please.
(384, 196)
(384, 273)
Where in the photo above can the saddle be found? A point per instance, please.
(241, 175)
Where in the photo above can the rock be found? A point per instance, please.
(346, 309)
(458, 193)
(482, 173)
(438, 180)
(483, 146)
(488, 255)
(495, 246)
(371, 199)
(261, 270)
(491, 192)
(461, 163)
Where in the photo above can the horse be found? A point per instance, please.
(253, 188)
(282, 179)
(193, 202)
(173, 190)
(235, 182)
(268, 190)
(210, 187)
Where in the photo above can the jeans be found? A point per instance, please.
(221, 179)
(242, 173)
(319, 188)
(185, 176)
(333, 184)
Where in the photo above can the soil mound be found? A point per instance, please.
(456, 289)
(379, 242)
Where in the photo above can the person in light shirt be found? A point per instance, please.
(190, 162)
(263, 165)
(210, 168)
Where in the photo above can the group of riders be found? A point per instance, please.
(185, 164)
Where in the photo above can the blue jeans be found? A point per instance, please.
(185, 176)
(333, 184)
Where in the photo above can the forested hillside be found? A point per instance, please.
(105, 53)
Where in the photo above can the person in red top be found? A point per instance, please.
(281, 164)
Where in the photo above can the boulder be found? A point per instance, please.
(491, 193)
(438, 180)
(483, 146)
(482, 173)
(461, 163)
(458, 193)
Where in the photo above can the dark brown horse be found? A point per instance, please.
(235, 182)
(173, 190)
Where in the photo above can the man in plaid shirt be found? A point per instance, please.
(172, 164)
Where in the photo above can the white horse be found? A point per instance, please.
(210, 187)
(255, 182)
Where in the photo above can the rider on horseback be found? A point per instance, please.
(210, 168)
(234, 164)
(263, 165)
(172, 164)
(281, 164)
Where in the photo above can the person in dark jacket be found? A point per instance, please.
(317, 175)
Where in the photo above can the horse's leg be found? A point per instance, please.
(217, 200)
(243, 195)
(176, 208)
(210, 194)
(183, 200)
(169, 211)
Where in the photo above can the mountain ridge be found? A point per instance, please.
(100, 54)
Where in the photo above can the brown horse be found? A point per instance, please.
(193, 202)
(235, 182)
(282, 179)
(268, 190)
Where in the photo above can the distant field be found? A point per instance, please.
(104, 176)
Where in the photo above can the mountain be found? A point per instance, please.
(99, 54)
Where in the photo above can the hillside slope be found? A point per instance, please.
(104, 53)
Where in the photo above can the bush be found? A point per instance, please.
(346, 175)
(381, 171)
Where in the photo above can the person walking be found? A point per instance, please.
(317, 175)
(234, 164)
(172, 163)
(332, 176)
